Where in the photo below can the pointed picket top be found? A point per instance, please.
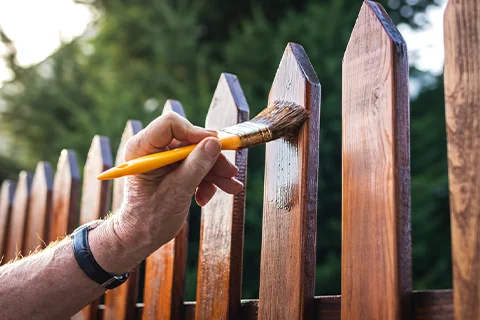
(376, 167)
(19, 216)
(219, 282)
(39, 208)
(228, 106)
(6, 202)
(120, 302)
(95, 202)
(290, 198)
(165, 269)
(95, 193)
(175, 106)
(66, 186)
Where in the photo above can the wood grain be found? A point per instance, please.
(66, 186)
(165, 269)
(427, 305)
(219, 281)
(18, 219)
(376, 244)
(433, 305)
(462, 99)
(120, 302)
(287, 270)
(39, 209)
(95, 201)
(6, 202)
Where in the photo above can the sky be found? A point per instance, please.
(40, 30)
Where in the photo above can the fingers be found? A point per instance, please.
(160, 133)
(229, 185)
(205, 191)
(196, 166)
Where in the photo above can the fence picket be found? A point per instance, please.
(219, 282)
(165, 268)
(95, 201)
(462, 105)
(120, 302)
(18, 217)
(287, 270)
(39, 208)
(376, 245)
(65, 196)
(6, 201)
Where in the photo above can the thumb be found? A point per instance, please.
(197, 165)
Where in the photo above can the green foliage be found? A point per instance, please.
(139, 53)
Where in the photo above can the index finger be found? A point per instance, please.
(161, 132)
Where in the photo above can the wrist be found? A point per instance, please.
(113, 255)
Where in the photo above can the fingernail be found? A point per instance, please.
(238, 182)
(212, 148)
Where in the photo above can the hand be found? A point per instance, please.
(156, 203)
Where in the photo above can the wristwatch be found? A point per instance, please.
(88, 264)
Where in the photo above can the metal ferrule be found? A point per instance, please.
(250, 133)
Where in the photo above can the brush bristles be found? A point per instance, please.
(283, 118)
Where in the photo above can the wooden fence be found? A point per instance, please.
(376, 244)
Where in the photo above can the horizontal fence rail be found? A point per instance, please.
(376, 246)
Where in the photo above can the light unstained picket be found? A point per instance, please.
(6, 202)
(219, 281)
(120, 302)
(39, 208)
(165, 269)
(462, 106)
(287, 270)
(95, 201)
(18, 219)
(66, 186)
(376, 244)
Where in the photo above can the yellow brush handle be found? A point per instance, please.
(161, 159)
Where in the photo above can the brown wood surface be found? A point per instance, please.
(6, 202)
(433, 305)
(376, 245)
(427, 305)
(165, 268)
(18, 219)
(287, 271)
(95, 201)
(462, 99)
(219, 281)
(120, 302)
(39, 208)
(66, 186)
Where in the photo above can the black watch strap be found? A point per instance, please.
(87, 263)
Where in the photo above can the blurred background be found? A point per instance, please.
(73, 69)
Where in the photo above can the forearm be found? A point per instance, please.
(51, 285)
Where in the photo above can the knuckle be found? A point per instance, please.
(199, 167)
(170, 116)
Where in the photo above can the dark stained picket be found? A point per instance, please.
(462, 106)
(18, 219)
(120, 302)
(165, 269)
(6, 202)
(376, 244)
(95, 201)
(287, 271)
(66, 186)
(39, 208)
(219, 282)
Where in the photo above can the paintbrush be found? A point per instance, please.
(282, 119)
